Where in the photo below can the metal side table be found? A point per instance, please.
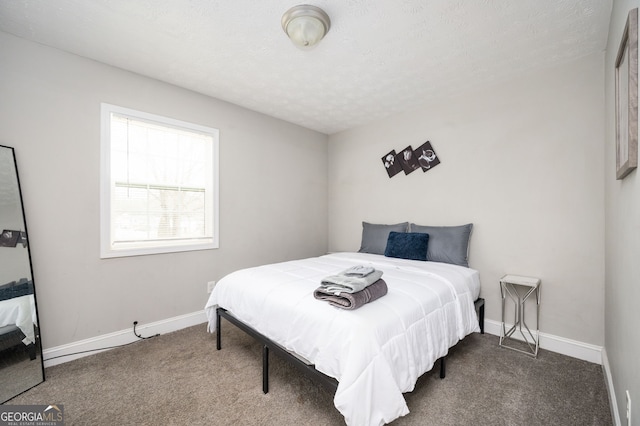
(519, 289)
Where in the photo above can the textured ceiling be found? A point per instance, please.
(380, 57)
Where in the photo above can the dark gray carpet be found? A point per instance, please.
(180, 379)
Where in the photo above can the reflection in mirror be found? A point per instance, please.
(21, 365)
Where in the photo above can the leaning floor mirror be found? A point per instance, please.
(21, 365)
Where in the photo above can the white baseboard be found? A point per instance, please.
(561, 345)
(613, 402)
(82, 348)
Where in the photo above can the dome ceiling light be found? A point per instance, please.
(305, 25)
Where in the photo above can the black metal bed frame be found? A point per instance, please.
(309, 370)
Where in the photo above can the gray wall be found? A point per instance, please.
(273, 192)
(15, 260)
(522, 161)
(622, 280)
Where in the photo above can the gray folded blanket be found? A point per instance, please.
(349, 283)
(355, 300)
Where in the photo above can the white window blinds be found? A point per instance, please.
(162, 184)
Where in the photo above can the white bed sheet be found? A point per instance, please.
(376, 352)
(20, 311)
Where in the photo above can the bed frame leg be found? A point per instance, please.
(479, 305)
(265, 369)
(442, 367)
(218, 331)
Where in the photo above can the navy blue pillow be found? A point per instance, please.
(407, 245)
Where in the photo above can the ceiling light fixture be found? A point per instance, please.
(305, 25)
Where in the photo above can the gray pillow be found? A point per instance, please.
(448, 244)
(375, 236)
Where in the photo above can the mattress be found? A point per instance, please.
(376, 352)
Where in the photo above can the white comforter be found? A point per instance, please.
(20, 311)
(376, 352)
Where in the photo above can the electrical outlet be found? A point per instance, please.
(210, 286)
(628, 409)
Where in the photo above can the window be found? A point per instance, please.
(159, 184)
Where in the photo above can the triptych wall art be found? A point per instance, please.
(10, 238)
(410, 159)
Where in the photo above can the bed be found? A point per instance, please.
(371, 355)
(18, 315)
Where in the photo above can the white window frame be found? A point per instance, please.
(107, 249)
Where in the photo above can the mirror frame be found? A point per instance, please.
(38, 338)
